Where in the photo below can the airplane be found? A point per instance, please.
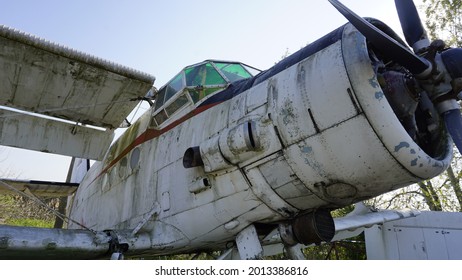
(228, 156)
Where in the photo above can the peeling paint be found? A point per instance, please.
(414, 162)
(288, 113)
(338, 151)
(402, 145)
(379, 95)
(373, 82)
(314, 165)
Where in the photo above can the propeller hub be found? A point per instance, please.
(447, 105)
(452, 60)
(438, 84)
(421, 45)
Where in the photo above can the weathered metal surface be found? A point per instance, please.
(51, 80)
(306, 138)
(42, 77)
(381, 117)
(295, 252)
(47, 135)
(263, 191)
(41, 243)
(59, 244)
(248, 244)
(429, 236)
(78, 169)
(314, 147)
(311, 96)
(345, 226)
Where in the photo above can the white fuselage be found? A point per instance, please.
(322, 136)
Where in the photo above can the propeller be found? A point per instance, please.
(385, 44)
(415, 34)
(441, 77)
(453, 120)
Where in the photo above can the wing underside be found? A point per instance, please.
(38, 188)
(60, 100)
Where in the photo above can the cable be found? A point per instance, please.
(43, 204)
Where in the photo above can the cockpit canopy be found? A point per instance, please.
(196, 82)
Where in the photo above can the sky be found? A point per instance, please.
(162, 37)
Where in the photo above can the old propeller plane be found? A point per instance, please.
(227, 156)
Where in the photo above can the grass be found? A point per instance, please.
(30, 223)
(17, 211)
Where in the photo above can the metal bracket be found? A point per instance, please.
(248, 244)
(115, 247)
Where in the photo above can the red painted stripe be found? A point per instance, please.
(151, 133)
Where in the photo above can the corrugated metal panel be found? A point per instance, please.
(46, 78)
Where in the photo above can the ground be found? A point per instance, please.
(16, 210)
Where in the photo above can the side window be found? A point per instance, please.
(177, 104)
(161, 117)
(174, 86)
(160, 98)
(200, 92)
(167, 92)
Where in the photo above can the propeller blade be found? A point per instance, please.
(453, 120)
(413, 30)
(387, 45)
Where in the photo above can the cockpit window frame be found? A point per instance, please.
(229, 78)
(165, 98)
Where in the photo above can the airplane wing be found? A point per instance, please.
(42, 243)
(38, 188)
(356, 222)
(58, 100)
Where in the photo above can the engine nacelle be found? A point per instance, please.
(343, 141)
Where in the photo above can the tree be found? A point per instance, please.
(443, 193)
(444, 20)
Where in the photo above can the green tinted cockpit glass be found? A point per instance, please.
(200, 92)
(203, 75)
(233, 71)
(202, 80)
